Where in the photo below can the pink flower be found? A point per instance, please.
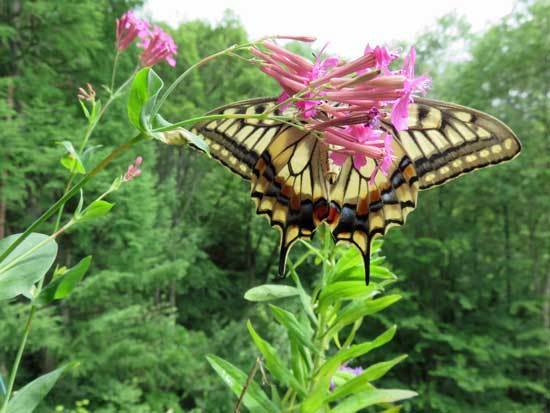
(400, 111)
(157, 46)
(128, 27)
(382, 56)
(133, 170)
(345, 102)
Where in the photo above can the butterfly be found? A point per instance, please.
(297, 187)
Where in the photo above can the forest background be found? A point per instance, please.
(173, 260)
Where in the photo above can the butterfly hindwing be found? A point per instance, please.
(445, 140)
(283, 163)
(288, 186)
(366, 207)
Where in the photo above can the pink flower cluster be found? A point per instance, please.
(133, 170)
(157, 45)
(346, 101)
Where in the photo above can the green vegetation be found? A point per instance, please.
(182, 245)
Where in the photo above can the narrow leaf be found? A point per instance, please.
(294, 328)
(362, 382)
(269, 292)
(319, 393)
(29, 397)
(254, 399)
(355, 311)
(370, 398)
(274, 363)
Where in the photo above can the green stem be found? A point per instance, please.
(113, 74)
(18, 358)
(217, 116)
(74, 190)
(180, 78)
(32, 312)
(89, 130)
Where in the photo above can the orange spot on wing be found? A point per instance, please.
(374, 195)
(363, 207)
(333, 214)
(409, 172)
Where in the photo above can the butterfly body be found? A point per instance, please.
(297, 187)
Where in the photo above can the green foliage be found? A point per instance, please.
(306, 375)
(27, 399)
(25, 265)
(170, 266)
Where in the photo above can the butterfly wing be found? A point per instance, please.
(287, 167)
(445, 141)
(368, 208)
(237, 143)
(442, 142)
(289, 188)
(283, 163)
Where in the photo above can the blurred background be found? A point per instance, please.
(171, 263)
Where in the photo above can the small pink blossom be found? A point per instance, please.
(86, 94)
(382, 56)
(400, 109)
(128, 27)
(133, 170)
(158, 46)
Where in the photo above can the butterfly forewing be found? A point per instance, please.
(238, 143)
(445, 140)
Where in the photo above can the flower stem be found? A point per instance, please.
(217, 116)
(200, 63)
(28, 323)
(68, 195)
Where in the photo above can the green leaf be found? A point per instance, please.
(305, 298)
(274, 363)
(84, 109)
(357, 310)
(298, 361)
(254, 399)
(96, 209)
(300, 332)
(72, 161)
(21, 269)
(269, 292)
(88, 152)
(29, 397)
(362, 382)
(142, 98)
(346, 290)
(370, 398)
(62, 286)
(319, 393)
